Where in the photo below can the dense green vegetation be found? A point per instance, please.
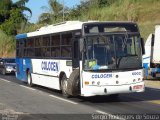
(6, 44)
(13, 21)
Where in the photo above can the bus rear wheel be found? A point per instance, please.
(29, 77)
(64, 86)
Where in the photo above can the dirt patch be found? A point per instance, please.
(152, 83)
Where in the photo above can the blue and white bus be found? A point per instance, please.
(82, 58)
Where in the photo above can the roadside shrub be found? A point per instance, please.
(7, 44)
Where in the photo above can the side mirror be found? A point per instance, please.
(142, 45)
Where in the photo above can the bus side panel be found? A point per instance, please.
(19, 69)
(22, 66)
(27, 66)
(46, 72)
(47, 81)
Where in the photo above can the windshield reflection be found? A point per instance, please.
(112, 52)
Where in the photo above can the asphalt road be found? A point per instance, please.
(17, 98)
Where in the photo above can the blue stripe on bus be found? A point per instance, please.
(22, 65)
(20, 36)
(145, 65)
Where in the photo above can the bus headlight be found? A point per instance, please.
(134, 80)
(93, 82)
(98, 83)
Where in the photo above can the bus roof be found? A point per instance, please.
(56, 28)
(62, 27)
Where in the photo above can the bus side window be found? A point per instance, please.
(46, 52)
(55, 52)
(55, 45)
(67, 39)
(37, 42)
(38, 52)
(66, 51)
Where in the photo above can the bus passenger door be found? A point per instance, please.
(75, 54)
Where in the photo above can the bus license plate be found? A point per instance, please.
(137, 87)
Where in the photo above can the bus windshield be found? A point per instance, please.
(116, 51)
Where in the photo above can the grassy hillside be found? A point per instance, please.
(145, 12)
(7, 45)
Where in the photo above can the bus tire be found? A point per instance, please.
(29, 79)
(74, 83)
(64, 86)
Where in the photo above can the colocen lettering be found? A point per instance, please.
(49, 66)
(101, 76)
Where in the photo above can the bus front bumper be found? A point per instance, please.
(112, 89)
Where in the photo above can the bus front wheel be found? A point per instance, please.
(29, 77)
(64, 86)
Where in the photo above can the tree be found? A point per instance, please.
(11, 15)
(21, 5)
(56, 8)
(45, 18)
(54, 14)
(5, 6)
(103, 3)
